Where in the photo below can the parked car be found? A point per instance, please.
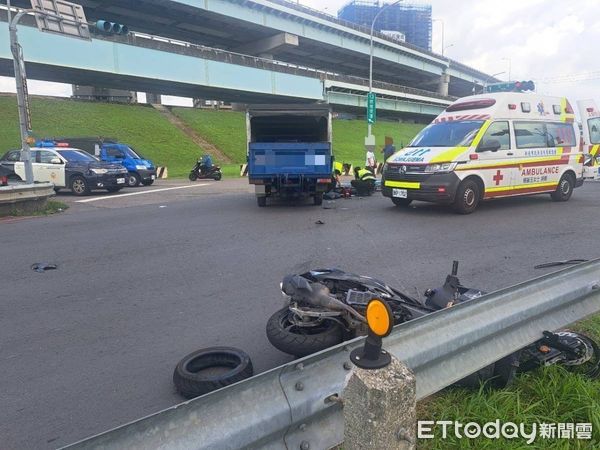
(68, 168)
(141, 170)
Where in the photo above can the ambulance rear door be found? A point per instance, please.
(590, 128)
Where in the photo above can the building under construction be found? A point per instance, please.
(412, 20)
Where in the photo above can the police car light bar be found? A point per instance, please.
(511, 86)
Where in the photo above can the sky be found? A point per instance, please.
(554, 43)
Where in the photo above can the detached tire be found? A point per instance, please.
(565, 188)
(193, 378)
(299, 341)
(468, 196)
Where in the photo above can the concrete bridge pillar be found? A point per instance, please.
(153, 99)
(443, 84)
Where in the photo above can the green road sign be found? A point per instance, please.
(371, 107)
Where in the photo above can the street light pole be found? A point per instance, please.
(369, 128)
(487, 79)
(22, 98)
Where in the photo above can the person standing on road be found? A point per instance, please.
(389, 149)
(370, 162)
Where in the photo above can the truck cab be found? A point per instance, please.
(289, 151)
(140, 170)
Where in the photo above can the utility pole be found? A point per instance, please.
(371, 100)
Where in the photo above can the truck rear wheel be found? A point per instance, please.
(318, 199)
(261, 201)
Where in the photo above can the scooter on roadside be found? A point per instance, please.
(201, 172)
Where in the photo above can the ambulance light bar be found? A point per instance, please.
(511, 86)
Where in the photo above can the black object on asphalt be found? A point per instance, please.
(210, 369)
(560, 263)
(42, 267)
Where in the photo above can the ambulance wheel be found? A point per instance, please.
(565, 188)
(467, 197)
(401, 201)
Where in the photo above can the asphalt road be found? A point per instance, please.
(144, 280)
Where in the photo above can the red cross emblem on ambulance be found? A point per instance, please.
(498, 177)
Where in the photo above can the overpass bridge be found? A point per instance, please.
(291, 33)
(153, 64)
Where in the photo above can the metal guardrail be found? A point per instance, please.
(294, 405)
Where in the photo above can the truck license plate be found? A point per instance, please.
(120, 180)
(400, 193)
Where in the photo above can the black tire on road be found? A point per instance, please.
(261, 201)
(401, 201)
(193, 176)
(79, 186)
(318, 199)
(148, 182)
(468, 196)
(192, 376)
(217, 176)
(133, 179)
(564, 189)
(300, 341)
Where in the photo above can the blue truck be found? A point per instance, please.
(140, 170)
(289, 151)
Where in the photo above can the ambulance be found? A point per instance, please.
(487, 146)
(590, 129)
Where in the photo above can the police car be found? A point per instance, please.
(492, 145)
(68, 168)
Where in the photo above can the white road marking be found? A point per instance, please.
(95, 199)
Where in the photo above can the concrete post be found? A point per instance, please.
(444, 84)
(153, 99)
(380, 409)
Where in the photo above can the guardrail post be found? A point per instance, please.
(380, 408)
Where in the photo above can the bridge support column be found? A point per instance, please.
(153, 99)
(269, 45)
(443, 84)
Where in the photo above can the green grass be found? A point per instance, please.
(150, 132)
(551, 395)
(227, 130)
(142, 127)
(52, 207)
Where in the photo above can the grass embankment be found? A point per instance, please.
(151, 134)
(142, 127)
(52, 207)
(551, 395)
(227, 130)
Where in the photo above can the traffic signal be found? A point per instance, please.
(111, 27)
(511, 86)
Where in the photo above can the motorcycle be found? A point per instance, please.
(199, 172)
(326, 307)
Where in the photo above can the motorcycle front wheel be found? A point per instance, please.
(286, 336)
(193, 176)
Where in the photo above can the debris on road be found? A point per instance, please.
(42, 267)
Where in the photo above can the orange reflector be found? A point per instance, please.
(473, 156)
(324, 180)
(544, 349)
(379, 318)
(30, 140)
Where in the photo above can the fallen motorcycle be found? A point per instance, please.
(326, 307)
